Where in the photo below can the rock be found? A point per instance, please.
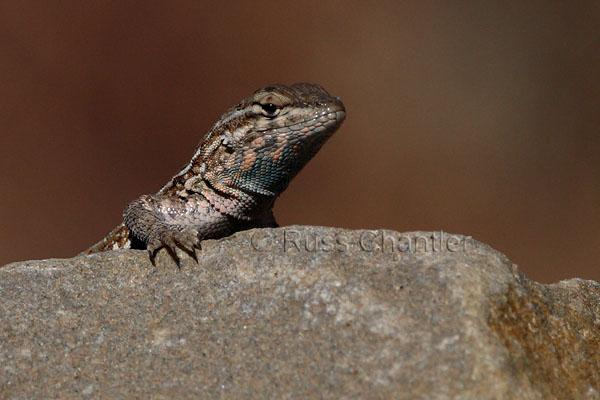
(298, 312)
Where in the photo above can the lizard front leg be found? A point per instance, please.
(169, 222)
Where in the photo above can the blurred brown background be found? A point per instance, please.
(479, 118)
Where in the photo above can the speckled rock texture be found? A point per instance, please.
(296, 313)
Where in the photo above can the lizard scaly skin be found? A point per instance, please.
(238, 170)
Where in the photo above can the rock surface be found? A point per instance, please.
(298, 312)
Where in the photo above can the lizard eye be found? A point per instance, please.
(269, 109)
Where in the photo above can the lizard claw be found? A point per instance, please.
(170, 241)
(173, 254)
(152, 256)
(153, 251)
(189, 251)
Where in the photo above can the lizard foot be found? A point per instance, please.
(170, 240)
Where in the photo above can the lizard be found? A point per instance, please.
(244, 162)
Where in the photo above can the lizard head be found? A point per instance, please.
(258, 146)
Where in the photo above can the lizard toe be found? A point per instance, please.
(172, 240)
